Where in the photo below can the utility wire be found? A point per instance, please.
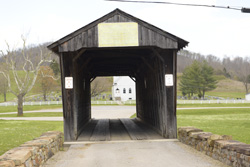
(183, 4)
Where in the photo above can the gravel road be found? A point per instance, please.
(161, 153)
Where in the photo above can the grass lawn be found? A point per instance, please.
(38, 114)
(15, 133)
(214, 105)
(227, 94)
(4, 109)
(234, 122)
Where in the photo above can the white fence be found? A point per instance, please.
(130, 102)
(32, 103)
(211, 101)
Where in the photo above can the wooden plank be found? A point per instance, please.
(84, 39)
(101, 132)
(87, 131)
(151, 133)
(117, 130)
(69, 129)
(171, 127)
(134, 131)
(89, 43)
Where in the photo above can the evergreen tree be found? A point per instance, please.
(197, 78)
(208, 81)
(185, 88)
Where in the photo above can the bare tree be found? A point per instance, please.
(243, 72)
(100, 85)
(46, 81)
(3, 87)
(28, 61)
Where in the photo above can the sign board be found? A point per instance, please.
(68, 82)
(169, 80)
(118, 34)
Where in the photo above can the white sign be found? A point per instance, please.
(169, 80)
(68, 82)
(118, 34)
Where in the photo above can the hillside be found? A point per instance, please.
(226, 88)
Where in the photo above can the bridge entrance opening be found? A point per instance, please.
(119, 44)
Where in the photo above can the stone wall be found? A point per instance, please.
(33, 153)
(222, 148)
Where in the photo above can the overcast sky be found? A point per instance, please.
(210, 31)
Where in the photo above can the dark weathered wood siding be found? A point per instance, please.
(151, 95)
(82, 59)
(146, 37)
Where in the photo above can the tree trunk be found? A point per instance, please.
(44, 96)
(20, 105)
(203, 94)
(246, 87)
(4, 96)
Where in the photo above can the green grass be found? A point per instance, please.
(234, 122)
(15, 133)
(4, 109)
(133, 116)
(213, 105)
(227, 94)
(38, 114)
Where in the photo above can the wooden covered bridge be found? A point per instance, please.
(119, 44)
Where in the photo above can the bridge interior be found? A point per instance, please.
(117, 129)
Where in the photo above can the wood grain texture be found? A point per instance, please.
(101, 131)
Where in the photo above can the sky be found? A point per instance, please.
(219, 32)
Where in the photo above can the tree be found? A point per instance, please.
(186, 86)
(3, 87)
(45, 81)
(100, 85)
(55, 67)
(243, 72)
(197, 78)
(3, 83)
(27, 60)
(208, 82)
(225, 73)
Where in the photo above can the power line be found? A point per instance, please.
(243, 9)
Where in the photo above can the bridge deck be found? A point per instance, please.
(117, 129)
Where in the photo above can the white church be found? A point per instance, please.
(123, 89)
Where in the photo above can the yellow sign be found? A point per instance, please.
(118, 34)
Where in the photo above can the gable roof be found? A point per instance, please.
(55, 46)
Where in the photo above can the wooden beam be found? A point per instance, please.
(133, 78)
(158, 55)
(78, 54)
(92, 79)
(147, 64)
(84, 64)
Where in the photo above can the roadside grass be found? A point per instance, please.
(15, 133)
(233, 122)
(4, 109)
(214, 105)
(226, 94)
(38, 114)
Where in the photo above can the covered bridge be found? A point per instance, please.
(119, 44)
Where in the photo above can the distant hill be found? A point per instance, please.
(226, 88)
